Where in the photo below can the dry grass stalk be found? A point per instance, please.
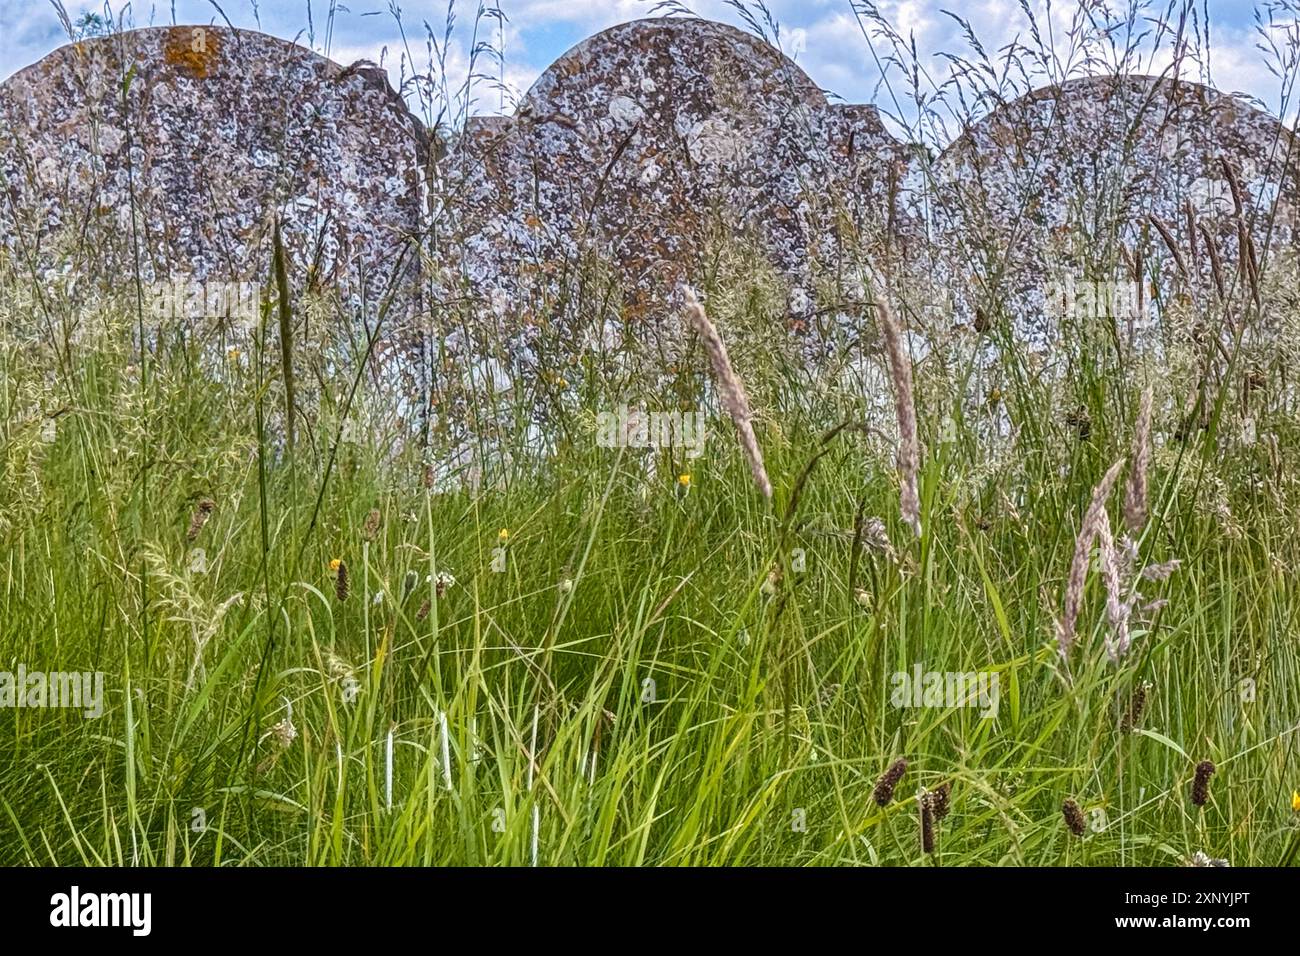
(1167, 235)
(1112, 578)
(1191, 235)
(1079, 565)
(1139, 270)
(1136, 505)
(200, 517)
(926, 813)
(1216, 264)
(909, 451)
(731, 390)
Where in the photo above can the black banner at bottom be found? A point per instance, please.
(356, 906)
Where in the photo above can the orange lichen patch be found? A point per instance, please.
(192, 50)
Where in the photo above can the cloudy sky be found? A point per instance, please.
(826, 37)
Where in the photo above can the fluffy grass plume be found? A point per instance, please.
(909, 448)
(1136, 505)
(730, 389)
(1094, 518)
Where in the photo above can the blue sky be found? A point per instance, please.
(822, 35)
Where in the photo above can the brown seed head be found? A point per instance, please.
(939, 800)
(371, 527)
(926, 813)
(1201, 783)
(884, 789)
(341, 582)
(1137, 703)
(1073, 817)
(201, 512)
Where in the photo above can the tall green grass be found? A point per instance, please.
(636, 685)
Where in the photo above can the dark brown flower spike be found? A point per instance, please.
(884, 789)
(1073, 817)
(1201, 783)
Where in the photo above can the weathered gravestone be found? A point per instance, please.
(636, 150)
(644, 143)
(1185, 188)
(208, 135)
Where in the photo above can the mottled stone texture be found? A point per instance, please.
(635, 150)
(1073, 178)
(215, 131)
(644, 142)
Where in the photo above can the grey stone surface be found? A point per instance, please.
(644, 141)
(215, 132)
(1068, 180)
(637, 148)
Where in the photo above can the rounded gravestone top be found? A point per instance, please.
(718, 63)
(210, 134)
(1066, 179)
(642, 145)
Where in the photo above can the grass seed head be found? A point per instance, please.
(730, 390)
(371, 527)
(200, 517)
(1161, 572)
(940, 798)
(1201, 783)
(1073, 817)
(1135, 492)
(341, 581)
(884, 789)
(1078, 574)
(909, 449)
(1137, 703)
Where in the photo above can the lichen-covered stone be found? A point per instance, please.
(645, 142)
(1069, 180)
(209, 134)
(633, 158)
